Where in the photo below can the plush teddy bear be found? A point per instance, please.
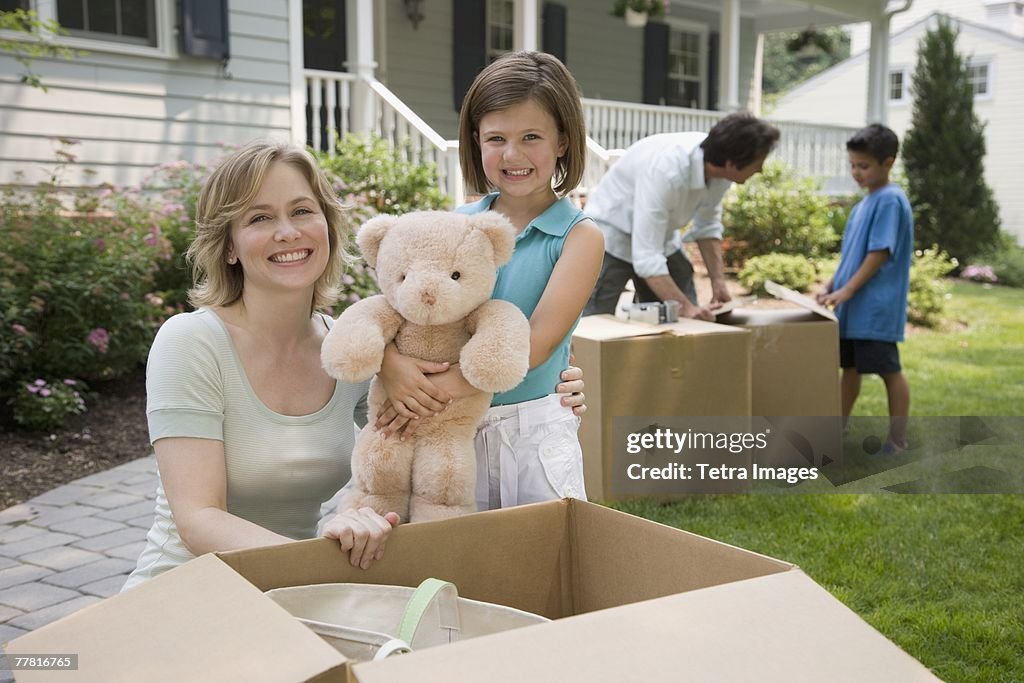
(436, 270)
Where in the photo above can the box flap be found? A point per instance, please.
(787, 294)
(733, 304)
(781, 627)
(198, 622)
(686, 327)
(601, 327)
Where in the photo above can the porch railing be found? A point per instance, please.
(338, 103)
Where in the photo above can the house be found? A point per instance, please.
(177, 79)
(992, 40)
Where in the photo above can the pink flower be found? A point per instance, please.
(99, 339)
(32, 389)
(100, 245)
(44, 392)
(19, 330)
(70, 382)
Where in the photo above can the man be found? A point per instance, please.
(661, 184)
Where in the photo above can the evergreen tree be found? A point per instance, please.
(944, 151)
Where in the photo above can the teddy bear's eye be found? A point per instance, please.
(456, 275)
(401, 278)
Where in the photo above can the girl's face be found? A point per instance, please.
(281, 240)
(519, 148)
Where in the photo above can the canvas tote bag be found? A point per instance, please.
(370, 621)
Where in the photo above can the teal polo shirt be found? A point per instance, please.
(522, 281)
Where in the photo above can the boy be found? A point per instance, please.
(869, 289)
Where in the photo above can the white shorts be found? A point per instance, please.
(527, 453)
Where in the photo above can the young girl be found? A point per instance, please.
(522, 139)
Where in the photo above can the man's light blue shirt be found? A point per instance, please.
(878, 311)
(522, 281)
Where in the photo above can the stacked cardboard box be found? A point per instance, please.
(631, 600)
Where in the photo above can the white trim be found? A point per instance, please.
(990, 80)
(166, 45)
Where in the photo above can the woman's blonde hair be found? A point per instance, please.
(227, 193)
(509, 80)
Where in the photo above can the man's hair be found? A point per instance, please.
(741, 138)
(877, 140)
(225, 196)
(512, 79)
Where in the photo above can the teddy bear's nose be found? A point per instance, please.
(428, 298)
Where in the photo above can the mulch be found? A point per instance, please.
(112, 431)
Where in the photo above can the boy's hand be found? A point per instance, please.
(834, 298)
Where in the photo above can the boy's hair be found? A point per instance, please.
(227, 193)
(509, 80)
(741, 138)
(877, 140)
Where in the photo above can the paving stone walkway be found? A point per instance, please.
(72, 546)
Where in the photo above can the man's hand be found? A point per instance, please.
(688, 310)
(719, 294)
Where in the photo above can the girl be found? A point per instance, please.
(522, 139)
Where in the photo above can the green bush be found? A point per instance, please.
(75, 286)
(389, 184)
(1006, 259)
(778, 213)
(929, 289)
(42, 405)
(791, 270)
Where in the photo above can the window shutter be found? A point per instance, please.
(553, 32)
(469, 45)
(655, 62)
(204, 28)
(713, 43)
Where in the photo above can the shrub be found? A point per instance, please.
(42, 405)
(390, 184)
(75, 287)
(929, 289)
(1006, 259)
(791, 270)
(776, 212)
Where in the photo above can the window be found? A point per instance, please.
(1019, 8)
(501, 18)
(12, 5)
(126, 21)
(898, 85)
(685, 68)
(979, 76)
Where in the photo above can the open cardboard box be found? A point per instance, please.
(689, 367)
(631, 600)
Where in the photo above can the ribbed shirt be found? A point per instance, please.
(279, 468)
(656, 188)
(522, 281)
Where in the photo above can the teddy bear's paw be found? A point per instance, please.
(352, 355)
(493, 375)
(423, 510)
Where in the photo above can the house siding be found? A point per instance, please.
(604, 55)
(840, 97)
(131, 113)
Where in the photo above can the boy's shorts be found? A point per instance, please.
(869, 357)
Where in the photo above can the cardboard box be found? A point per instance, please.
(632, 600)
(794, 356)
(690, 367)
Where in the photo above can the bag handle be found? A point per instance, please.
(426, 593)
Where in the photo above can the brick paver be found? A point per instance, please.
(73, 546)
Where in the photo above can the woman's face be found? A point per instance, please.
(281, 240)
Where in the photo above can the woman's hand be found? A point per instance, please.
(409, 390)
(362, 532)
(571, 387)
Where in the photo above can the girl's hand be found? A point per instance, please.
(362, 533)
(404, 380)
(572, 388)
(450, 383)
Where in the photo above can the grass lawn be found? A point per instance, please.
(941, 575)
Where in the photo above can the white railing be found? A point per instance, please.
(336, 101)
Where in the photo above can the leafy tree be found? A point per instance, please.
(944, 151)
(33, 43)
(785, 68)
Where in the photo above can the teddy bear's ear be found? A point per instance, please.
(499, 231)
(370, 235)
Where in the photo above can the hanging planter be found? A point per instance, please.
(809, 44)
(637, 12)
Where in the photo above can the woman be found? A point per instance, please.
(249, 432)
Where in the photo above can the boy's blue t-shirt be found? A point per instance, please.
(878, 310)
(522, 281)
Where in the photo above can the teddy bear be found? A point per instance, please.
(436, 271)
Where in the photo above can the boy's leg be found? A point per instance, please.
(849, 390)
(898, 392)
